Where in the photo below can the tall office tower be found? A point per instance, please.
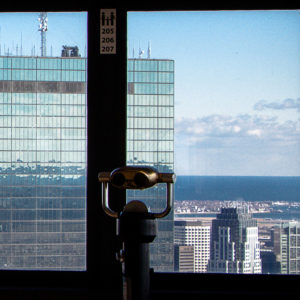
(288, 252)
(150, 141)
(191, 233)
(43, 163)
(234, 243)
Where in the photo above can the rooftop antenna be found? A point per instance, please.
(21, 50)
(33, 51)
(141, 52)
(43, 27)
(149, 50)
(133, 50)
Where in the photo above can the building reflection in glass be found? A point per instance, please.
(150, 141)
(43, 163)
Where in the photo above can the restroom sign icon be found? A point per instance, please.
(108, 18)
(108, 21)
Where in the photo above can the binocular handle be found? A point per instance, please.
(105, 204)
(114, 214)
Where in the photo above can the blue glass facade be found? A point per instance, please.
(43, 163)
(150, 141)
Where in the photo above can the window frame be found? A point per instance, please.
(107, 151)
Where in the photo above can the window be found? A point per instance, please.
(106, 152)
(228, 125)
(43, 104)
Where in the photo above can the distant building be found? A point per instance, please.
(183, 258)
(268, 262)
(188, 233)
(70, 51)
(270, 252)
(234, 243)
(287, 250)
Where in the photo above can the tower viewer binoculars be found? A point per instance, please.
(136, 226)
(135, 177)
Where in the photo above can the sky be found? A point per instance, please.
(237, 81)
(237, 88)
(18, 29)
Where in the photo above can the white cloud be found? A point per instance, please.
(255, 132)
(244, 144)
(279, 105)
(223, 130)
(236, 129)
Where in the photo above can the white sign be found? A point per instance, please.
(108, 20)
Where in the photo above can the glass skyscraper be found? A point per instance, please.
(150, 141)
(234, 242)
(43, 163)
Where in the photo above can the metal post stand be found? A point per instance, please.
(136, 228)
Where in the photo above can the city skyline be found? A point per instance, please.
(236, 87)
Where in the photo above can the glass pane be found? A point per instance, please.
(42, 143)
(234, 78)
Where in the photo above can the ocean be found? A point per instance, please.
(247, 188)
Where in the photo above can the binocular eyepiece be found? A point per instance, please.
(132, 177)
(135, 177)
